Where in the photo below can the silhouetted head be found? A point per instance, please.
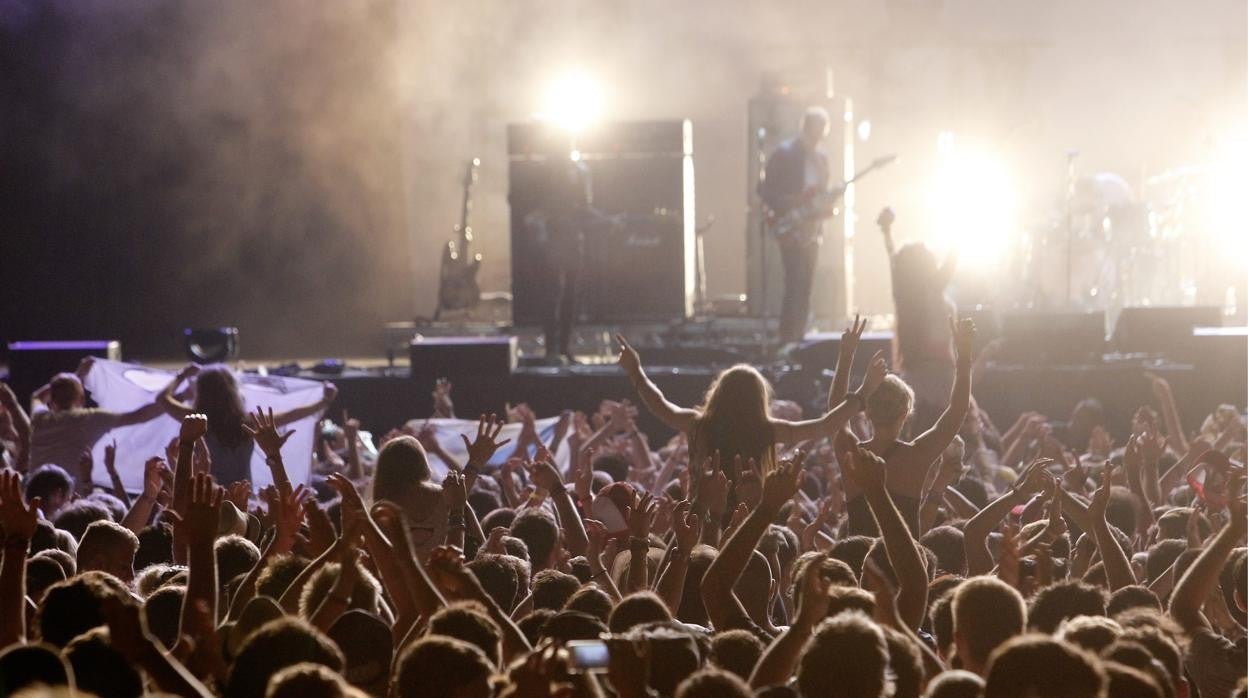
(401, 465)
(217, 396)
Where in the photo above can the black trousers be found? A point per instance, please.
(799, 276)
(563, 311)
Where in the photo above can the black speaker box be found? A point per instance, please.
(453, 357)
(1161, 330)
(1053, 338)
(641, 268)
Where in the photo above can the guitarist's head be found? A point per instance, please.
(814, 126)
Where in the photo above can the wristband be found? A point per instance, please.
(455, 520)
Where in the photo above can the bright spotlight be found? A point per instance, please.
(972, 205)
(573, 101)
(864, 130)
(1228, 207)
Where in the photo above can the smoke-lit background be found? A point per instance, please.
(293, 167)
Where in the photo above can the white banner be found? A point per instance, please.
(122, 387)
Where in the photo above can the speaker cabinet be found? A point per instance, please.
(1161, 330)
(638, 258)
(1053, 338)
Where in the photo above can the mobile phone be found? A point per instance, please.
(588, 655)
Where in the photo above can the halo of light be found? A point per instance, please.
(972, 205)
(573, 101)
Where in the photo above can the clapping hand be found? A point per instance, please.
(877, 370)
(442, 406)
(454, 491)
(641, 517)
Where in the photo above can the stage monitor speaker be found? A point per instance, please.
(455, 357)
(32, 364)
(1161, 330)
(638, 259)
(1053, 338)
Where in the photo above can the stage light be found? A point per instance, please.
(864, 130)
(1227, 206)
(210, 346)
(572, 101)
(972, 205)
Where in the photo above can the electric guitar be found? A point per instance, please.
(458, 288)
(793, 227)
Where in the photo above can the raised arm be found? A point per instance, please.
(867, 470)
(975, 533)
(21, 425)
(935, 440)
(19, 520)
(172, 405)
(199, 524)
(328, 393)
(1201, 579)
(546, 476)
(1170, 412)
(831, 422)
(678, 418)
(1117, 565)
(687, 527)
(779, 661)
(140, 511)
(845, 361)
(722, 604)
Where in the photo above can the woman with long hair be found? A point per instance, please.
(888, 410)
(922, 342)
(217, 396)
(734, 420)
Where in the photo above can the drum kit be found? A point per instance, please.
(1105, 248)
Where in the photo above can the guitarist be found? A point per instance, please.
(795, 171)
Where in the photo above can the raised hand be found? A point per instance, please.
(264, 430)
(877, 370)
(852, 335)
(494, 542)
(866, 469)
(1100, 498)
(194, 426)
(86, 464)
(454, 491)
(200, 522)
(110, 457)
(350, 426)
(963, 337)
(18, 518)
(482, 449)
(686, 525)
(629, 360)
(239, 494)
(446, 568)
(443, 407)
(352, 502)
(782, 483)
(641, 516)
(1034, 478)
(544, 474)
(154, 476)
(713, 492)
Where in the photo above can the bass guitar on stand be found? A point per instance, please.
(457, 286)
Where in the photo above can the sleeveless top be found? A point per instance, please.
(230, 463)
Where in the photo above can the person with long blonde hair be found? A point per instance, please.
(734, 420)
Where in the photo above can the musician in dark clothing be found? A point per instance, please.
(796, 170)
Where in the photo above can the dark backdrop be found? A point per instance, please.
(166, 164)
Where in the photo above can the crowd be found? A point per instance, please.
(860, 552)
